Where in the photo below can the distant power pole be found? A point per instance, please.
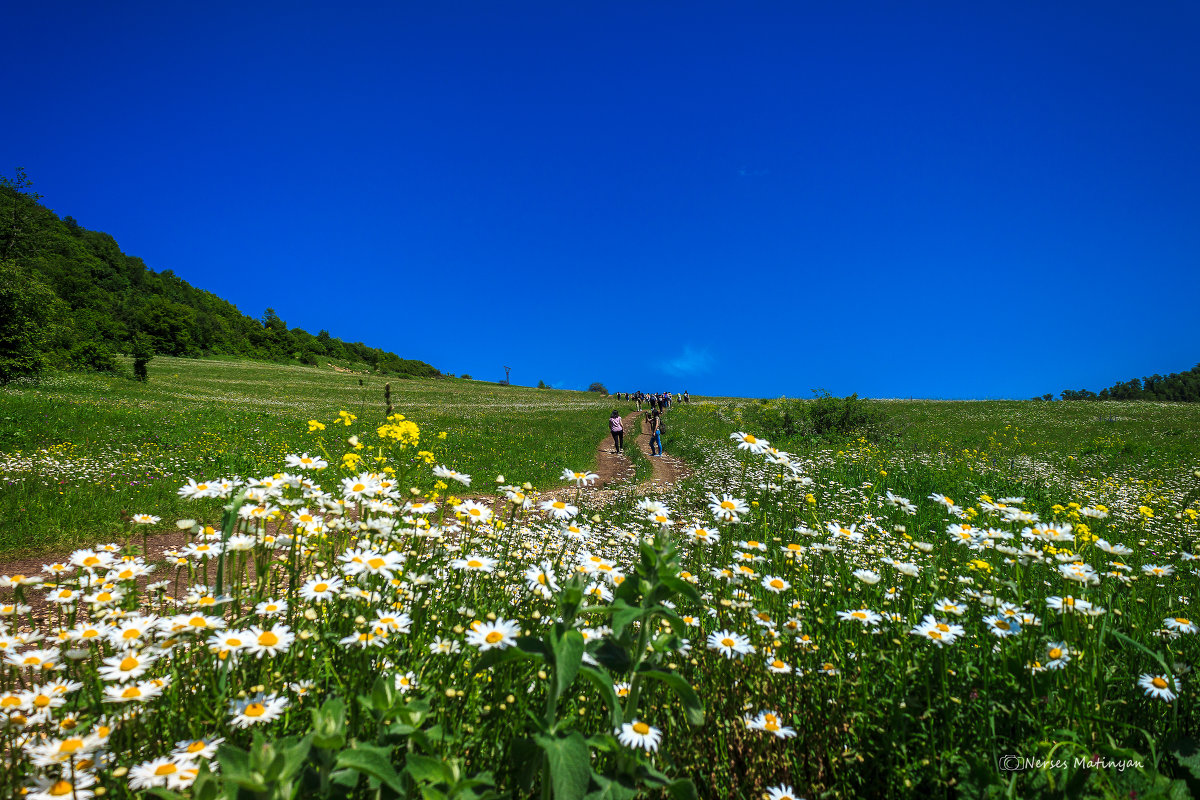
(506, 371)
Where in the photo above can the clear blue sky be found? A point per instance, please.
(954, 199)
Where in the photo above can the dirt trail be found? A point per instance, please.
(615, 473)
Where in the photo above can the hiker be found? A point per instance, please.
(656, 428)
(617, 430)
(637, 398)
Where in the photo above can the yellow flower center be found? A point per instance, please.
(70, 745)
(727, 642)
(376, 563)
(129, 663)
(1159, 683)
(474, 563)
(728, 506)
(358, 487)
(750, 439)
(1182, 621)
(777, 664)
(196, 746)
(131, 693)
(41, 701)
(641, 728)
(61, 789)
(268, 639)
(1055, 653)
(91, 561)
(166, 769)
(255, 710)
(493, 637)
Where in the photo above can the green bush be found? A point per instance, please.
(28, 310)
(824, 417)
(91, 355)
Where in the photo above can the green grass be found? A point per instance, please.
(80, 449)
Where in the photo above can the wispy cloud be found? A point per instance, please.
(746, 172)
(691, 361)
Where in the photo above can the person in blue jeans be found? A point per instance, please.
(656, 433)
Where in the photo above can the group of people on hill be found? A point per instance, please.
(658, 403)
(661, 401)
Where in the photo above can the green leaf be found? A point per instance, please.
(374, 762)
(623, 614)
(493, 657)
(568, 656)
(612, 656)
(235, 767)
(682, 789)
(329, 724)
(426, 769)
(692, 706)
(679, 586)
(570, 764)
(603, 683)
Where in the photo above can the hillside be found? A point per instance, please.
(93, 300)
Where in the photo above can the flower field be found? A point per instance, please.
(952, 609)
(80, 449)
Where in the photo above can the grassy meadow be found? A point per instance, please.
(80, 449)
(948, 600)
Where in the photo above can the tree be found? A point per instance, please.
(598, 387)
(19, 224)
(28, 311)
(141, 347)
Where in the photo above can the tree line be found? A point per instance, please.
(69, 298)
(1178, 387)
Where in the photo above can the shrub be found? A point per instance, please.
(141, 347)
(94, 356)
(826, 417)
(598, 387)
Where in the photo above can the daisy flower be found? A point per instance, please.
(769, 721)
(145, 519)
(864, 616)
(197, 748)
(256, 709)
(727, 508)
(271, 608)
(475, 563)
(1002, 626)
(778, 666)
(705, 535)
(1058, 654)
(268, 641)
(753, 444)
(76, 786)
(775, 584)
(126, 666)
(579, 478)
(541, 580)
(1180, 624)
(558, 509)
(321, 588)
(638, 735)
(499, 634)
(135, 692)
(446, 473)
(1159, 686)
(474, 512)
(782, 792)
(159, 771)
(730, 644)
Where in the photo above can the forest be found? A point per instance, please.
(70, 299)
(1178, 387)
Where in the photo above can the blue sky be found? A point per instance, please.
(960, 200)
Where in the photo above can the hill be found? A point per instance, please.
(93, 300)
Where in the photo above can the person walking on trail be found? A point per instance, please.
(617, 430)
(656, 429)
